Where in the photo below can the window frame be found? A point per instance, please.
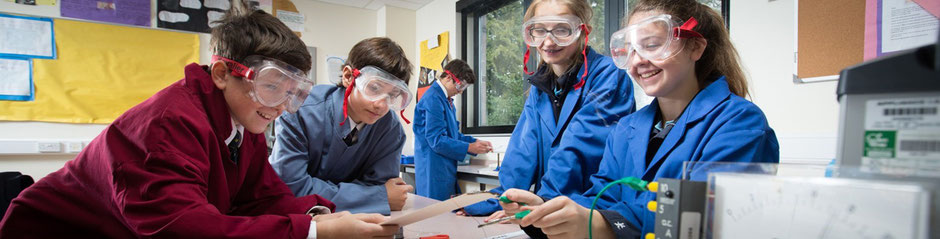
(470, 11)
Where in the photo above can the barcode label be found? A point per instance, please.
(920, 146)
(910, 111)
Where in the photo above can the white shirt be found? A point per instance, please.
(312, 233)
(235, 128)
(443, 89)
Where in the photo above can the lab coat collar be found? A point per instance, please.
(198, 79)
(341, 132)
(703, 103)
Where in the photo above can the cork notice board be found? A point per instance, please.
(830, 37)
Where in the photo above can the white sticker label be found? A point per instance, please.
(902, 133)
(691, 225)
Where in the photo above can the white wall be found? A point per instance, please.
(334, 29)
(804, 116)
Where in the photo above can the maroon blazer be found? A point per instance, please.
(163, 170)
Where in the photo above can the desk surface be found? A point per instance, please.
(449, 223)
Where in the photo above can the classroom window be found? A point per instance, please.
(492, 44)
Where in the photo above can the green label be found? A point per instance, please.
(880, 144)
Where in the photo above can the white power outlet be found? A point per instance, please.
(49, 147)
(74, 146)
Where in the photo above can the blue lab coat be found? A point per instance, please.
(558, 158)
(717, 126)
(311, 157)
(438, 144)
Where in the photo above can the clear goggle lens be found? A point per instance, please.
(656, 38)
(563, 30)
(375, 84)
(273, 82)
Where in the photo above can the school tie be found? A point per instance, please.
(233, 146)
(351, 138)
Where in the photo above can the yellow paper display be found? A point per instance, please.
(433, 58)
(101, 71)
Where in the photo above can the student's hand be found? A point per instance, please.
(519, 196)
(354, 226)
(563, 218)
(397, 191)
(331, 216)
(497, 215)
(487, 144)
(479, 147)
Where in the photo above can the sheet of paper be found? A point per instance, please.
(439, 208)
(130, 12)
(293, 20)
(30, 37)
(905, 25)
(16, 79)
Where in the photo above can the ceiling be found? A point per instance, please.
(376, 4)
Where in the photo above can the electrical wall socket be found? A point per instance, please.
(49, 147)
(74, 146)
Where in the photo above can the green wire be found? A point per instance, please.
(632, 182)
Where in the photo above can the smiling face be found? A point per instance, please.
(549, 50)
(668, 77)
(243, 108)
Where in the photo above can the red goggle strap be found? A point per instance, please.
(685, 31)
(237, 68)
(452, 76)
(587, 33)
(352, 84)
(402, 113)
(525, 62)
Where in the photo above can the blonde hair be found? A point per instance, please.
(720, 57)
(579, 8)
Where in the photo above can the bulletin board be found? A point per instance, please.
(830, 37)
(101, 71)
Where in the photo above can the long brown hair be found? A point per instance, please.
(580, 9)
(720, 57)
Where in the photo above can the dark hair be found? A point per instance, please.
(245, 31)
(383, 53)
(461, 70)
(720, 57)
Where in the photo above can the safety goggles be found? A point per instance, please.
(656, 38)
(375, 84)
(564, 30)
(460, 85)
(273, 82)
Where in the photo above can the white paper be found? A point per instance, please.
(293, 20)
(439, 208)
(14, 77)
(26, 37)
(906, 25)
(433, 42)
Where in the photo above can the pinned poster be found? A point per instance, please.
(101, 71)
(129, 12)
(897, 25)
(34, 2)
(434, 55)
(16, 79)
(29, 37)
(190, 15)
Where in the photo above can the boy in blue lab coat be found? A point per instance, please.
(345, 142)
(438, 141)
